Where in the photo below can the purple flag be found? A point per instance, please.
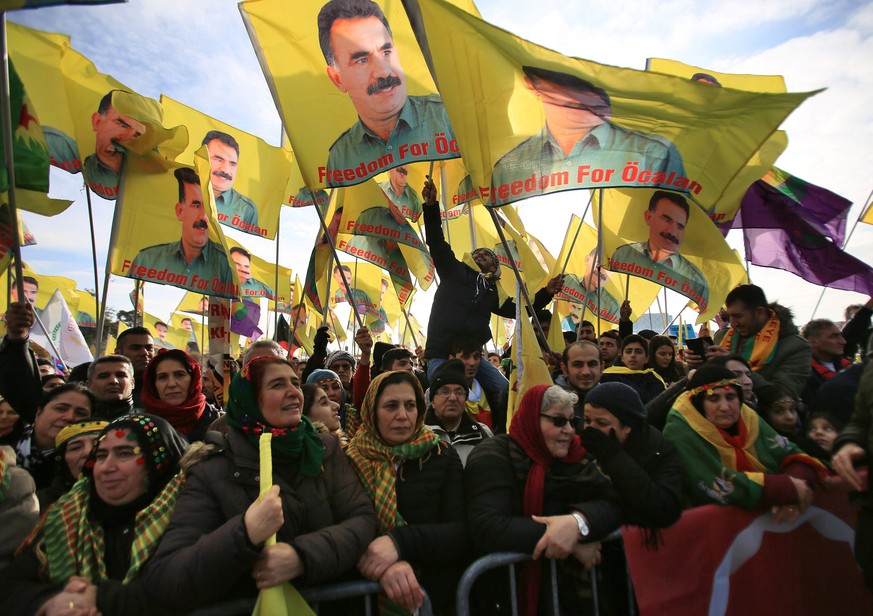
(244, 317)
(777, 236)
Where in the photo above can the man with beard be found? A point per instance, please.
(666, 217)
(223, 159)
(362, 61)
(194, 256)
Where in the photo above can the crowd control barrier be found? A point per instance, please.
(366, 589)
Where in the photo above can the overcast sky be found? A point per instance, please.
(197, 52)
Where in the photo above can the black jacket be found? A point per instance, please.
(434, 539)
(457, 312)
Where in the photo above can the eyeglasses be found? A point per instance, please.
(458, 393)
(559, 421)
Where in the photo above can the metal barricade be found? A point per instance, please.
(510, 559)
(365, 589)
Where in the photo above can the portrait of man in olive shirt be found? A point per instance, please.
(102, 168)
(401, 193)
(579, 131)
(666, 217)
(248, 285)
(194, 254)
(362, 61)
(223, 161)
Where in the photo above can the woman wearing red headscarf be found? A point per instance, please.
(535, 491)
(174, 390)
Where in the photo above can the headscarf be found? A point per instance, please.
(526, 431)
(485, 280)
(72, 545)
(184, 416)
(374, 460)
(242, 412)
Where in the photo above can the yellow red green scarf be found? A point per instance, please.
(758, 351)
(374, 461)
(72, 546)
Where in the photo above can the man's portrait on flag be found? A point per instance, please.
(193, 260)
(223, 161)
(111, 130)
(393, 127)
(580, 146)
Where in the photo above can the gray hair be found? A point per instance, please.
(272, 345)
(558, 397)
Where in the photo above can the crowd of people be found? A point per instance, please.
(131, 485)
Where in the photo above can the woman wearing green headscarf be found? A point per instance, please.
(416, 483)
(214, 548)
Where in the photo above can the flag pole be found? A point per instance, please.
(594, 265)
(6, 116)
(576, 234)
(518, 278)
(113, 239)
(335, 256)
(444, 199)
(276, 285)
(599, 257)
(93, 239)
(51, 342)
(409, 325)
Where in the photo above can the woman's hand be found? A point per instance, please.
(561, 536)
(79, 598)
(276, 565)
(401, 586)
(380, 554)
(264, 517)
(786, 514)
(844, 464)
(588, 554)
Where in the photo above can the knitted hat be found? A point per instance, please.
(319, 375)
(621, 400)
(339, 355)
(450, 373)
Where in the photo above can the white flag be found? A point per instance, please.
(64, 332)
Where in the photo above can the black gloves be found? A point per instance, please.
(319, 342)
(601, 446)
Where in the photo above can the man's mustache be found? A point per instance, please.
(223, 175)
(383, 83)
(670, 237)
(200, 224)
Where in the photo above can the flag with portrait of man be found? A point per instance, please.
(257, 276)
(658, 236)
(168, 232)
(351, 87)
(90, 119)
(531, 121)
(724, 209)
(248, 176)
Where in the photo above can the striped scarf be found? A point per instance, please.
(376, 463)
(759, 349)
(72, 546)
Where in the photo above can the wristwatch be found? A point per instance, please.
(583, 525)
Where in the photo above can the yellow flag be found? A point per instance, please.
(168, 233)
(343, 127)
(555, 337)
(657, 236)
(529, 368)
(38, 289)
(581, 282)
(89, 118)
(364, 282)
(248, 176)
(531, 121)
(86, 316)
(725, 207)
(257, 277)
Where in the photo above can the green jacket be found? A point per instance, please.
(709, 462)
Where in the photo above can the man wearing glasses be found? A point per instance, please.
(447, 414)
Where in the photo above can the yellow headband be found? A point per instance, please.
(709, 387)
(78, 429)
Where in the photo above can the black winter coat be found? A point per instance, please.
(457, 312)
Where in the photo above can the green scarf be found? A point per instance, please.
(374, 460)
(72, 546)
(300, 441)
